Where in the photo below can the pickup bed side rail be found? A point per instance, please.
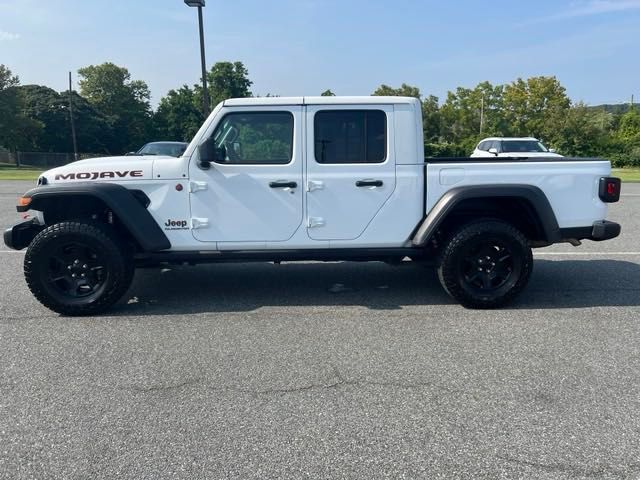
(510, 159)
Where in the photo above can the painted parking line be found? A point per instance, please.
(557, 254)
(587, 254)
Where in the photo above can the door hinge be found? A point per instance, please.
(197, 186)
(197, 223)
(314, 185)
(315, 222)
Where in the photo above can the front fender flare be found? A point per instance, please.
(121, 201)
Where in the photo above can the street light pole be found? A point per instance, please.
(73, 124)
(205, 91)
(481, 113)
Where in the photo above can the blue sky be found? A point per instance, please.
(302, 47)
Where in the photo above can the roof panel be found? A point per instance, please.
(256, 101)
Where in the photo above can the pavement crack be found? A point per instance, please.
(335, 380)
(164, 387)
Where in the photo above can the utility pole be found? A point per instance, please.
(205, 93)
(481, 113)
(73, 125)
(205, 90)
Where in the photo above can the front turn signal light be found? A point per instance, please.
(24, 201)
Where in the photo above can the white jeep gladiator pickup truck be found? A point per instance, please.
(306, 178)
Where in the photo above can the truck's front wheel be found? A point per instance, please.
(485, 264)
(77, 268)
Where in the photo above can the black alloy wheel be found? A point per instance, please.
(485, 264)
(77, 268)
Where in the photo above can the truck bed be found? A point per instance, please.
(570, 184)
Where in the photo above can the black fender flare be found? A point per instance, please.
(532, 194)
(131, 212)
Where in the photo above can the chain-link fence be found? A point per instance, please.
(41, 159)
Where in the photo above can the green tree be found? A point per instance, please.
(629, 127)
(7, 78)
(582, 133)
(51, 109)
(535, 107)
(225, 80)
(627, 140)
(431, 119)
(17, 131)
(123, 101)
(179, 115)
(93, 131)
(327, 93)
(468, 114)
(404, 91)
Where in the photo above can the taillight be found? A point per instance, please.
(609, 190)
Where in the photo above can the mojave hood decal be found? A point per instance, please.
(96, 175)
(106, 168)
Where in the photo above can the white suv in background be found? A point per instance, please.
(512, 147)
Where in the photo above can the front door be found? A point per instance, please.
(351, 169)
(253, 193)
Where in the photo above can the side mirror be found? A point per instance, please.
(129, 154)
(552, 150)
(494, 150)
(209, 153)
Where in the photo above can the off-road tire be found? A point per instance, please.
(112, 271)
(460, 273)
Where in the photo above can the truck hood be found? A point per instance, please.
(124, 168)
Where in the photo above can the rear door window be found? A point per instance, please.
(350, 136)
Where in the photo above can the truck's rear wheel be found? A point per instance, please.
(485, 264)
(77, 268)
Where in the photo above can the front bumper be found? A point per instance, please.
(599, 231)
(21, 234)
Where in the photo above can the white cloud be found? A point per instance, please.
(8, 36)
(597, 7)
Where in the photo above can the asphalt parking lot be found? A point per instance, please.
(329, 371)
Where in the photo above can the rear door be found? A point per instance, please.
(350, 168)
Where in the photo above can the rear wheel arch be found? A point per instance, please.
(526, 207)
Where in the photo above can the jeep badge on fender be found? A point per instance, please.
(175, 224)
(277, 179)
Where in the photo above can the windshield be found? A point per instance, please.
(172, 149)
(522, 146)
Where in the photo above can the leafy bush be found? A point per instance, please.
(444, 150)
(629, 159)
